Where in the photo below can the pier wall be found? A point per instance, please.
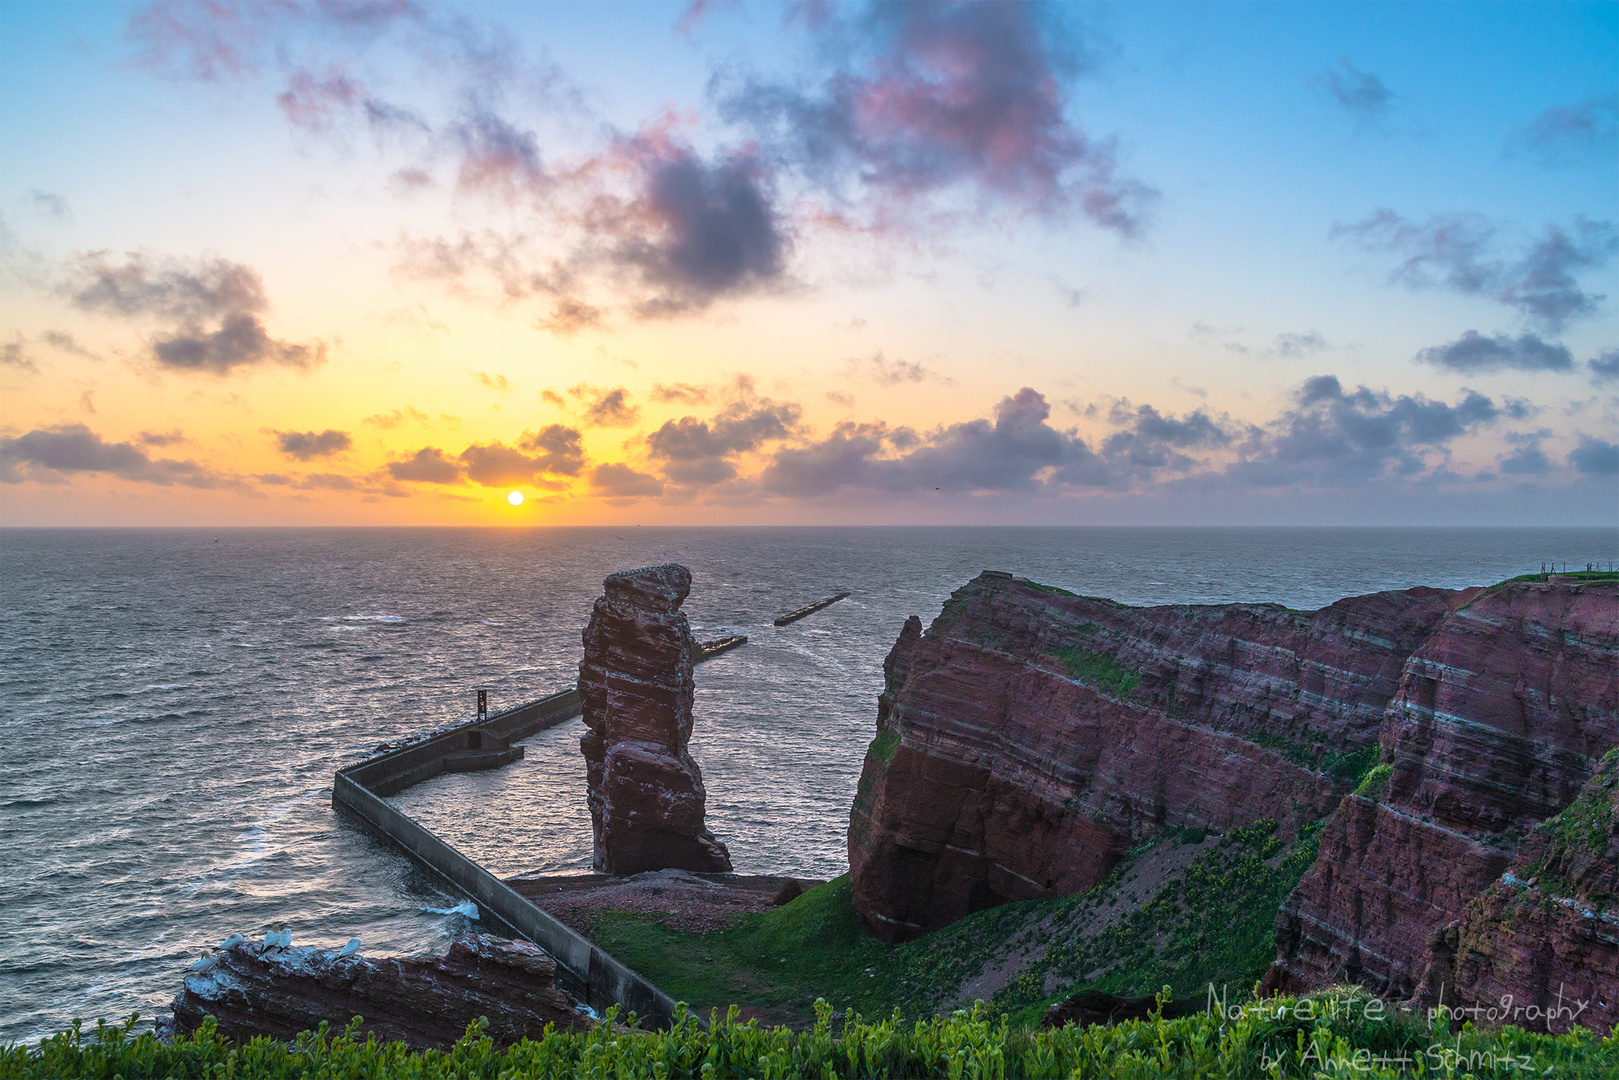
(583, 969)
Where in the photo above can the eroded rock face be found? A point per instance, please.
(1545, 937)
(1500, 718)
(1030, 737)
(421, 1002)
(645, 792)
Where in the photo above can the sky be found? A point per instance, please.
(716, 263)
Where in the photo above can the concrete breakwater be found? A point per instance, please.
(810, 609)
(583, 969)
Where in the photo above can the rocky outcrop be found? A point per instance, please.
(253, 990)
(1499, 720)
(1029, 737)
(1540, 947)
(645, 792)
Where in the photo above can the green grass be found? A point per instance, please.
(1100, 670)
(883, 746)
(1577, 575)
(1375, 784)
(1051, 589)
(1213, 923)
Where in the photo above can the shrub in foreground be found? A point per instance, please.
(1339, 1033)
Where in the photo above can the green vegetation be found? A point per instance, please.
(1578, 839)
(1375, 785)
(1337, 1033)
(883, 746)
(1051, 589)
(1576, 575)
(1349, 767)
(1213, 923)
(1100, 670)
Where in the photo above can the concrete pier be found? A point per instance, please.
(794, 616)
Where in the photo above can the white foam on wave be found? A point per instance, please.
(376, 618)
(465, 908)
(164, 686)
(258, 840)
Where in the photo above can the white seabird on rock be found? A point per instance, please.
(351, 948)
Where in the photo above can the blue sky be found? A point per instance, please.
(770, 263)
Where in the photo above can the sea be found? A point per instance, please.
(174, 702)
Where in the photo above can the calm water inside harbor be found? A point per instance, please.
(174, 702)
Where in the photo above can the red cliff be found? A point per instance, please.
(1500, 720)
(645, 792)
(1030, 736)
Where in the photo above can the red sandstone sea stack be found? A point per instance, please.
(645, 792)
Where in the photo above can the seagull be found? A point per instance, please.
(351, 948)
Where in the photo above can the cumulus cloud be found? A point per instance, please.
(699, 453)
(935, 97)
(429, 465)
(308, 445)
(44, 454)
(1333, 437)
(1605, 366)
(569, 315)
(1527, 459)
(1595, 457)
(1361, 93)
(190, 296)
(1461, 252)
(559, 450)
(1148, 440)
(1474, 353)
(606, 408)
(1572, 134)
(623, 482)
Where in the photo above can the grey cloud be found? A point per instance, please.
(14, 354)
(161, 438)
(1297, 345)
(191, 295)
(1474, 353)
(74, 448)
(429, 465)
(1460, 252)
(308, 445)
(1572, 134)
(1332, 437)
(310, 102)
(685, 393)
(609, 408)
(1150, 440)
(496, 465)
(1605, 366)
(66, 342)
(1360, 92)
(497, 157)
(930, 97)
(1595, 457)
(1009, 454)
(622, 482)
(1528, 459)
(49, 203)
(697, 452)
(559, 450)
(569, 315)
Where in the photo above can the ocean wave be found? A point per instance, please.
(465, 908)
(378, 618)
(164, 686)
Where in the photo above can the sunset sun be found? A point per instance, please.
(515, 498)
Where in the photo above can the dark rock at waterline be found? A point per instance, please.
(424, 1002)
(645, 792)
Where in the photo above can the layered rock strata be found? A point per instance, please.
(1500, 719)
(252, 990)
(1540, 947)
(1030, 737)
(645, 792)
